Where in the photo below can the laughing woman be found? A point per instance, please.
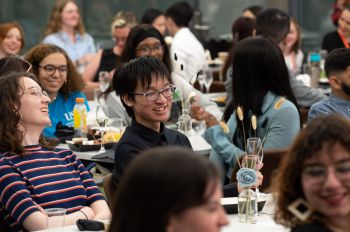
(59, 78)
(32, 177)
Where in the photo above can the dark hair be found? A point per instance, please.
(150, 15)
(273, 23)
(255, 9)
(250, 85)
(10, 136)
(181, 13)
(326, 130)
(13, 64)
(160, 183)
(41, 51)
(241, 28)
(136, 35)
(140, 70)
(337, 61)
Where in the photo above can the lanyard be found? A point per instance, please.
(345, 42)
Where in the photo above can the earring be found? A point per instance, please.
(301, 209)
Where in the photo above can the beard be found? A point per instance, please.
(345, 88)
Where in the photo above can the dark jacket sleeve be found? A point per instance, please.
(230, 190)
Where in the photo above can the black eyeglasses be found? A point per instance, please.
(148, 50)
(51, 69)
(153, 96)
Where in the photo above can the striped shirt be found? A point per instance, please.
(48, 178)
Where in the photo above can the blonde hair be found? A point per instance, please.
(55, 23)
(123, 19)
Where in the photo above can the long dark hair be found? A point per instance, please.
(258, 67)
(161, 183)
(242, 28)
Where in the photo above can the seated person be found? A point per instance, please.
(313, 181)
(341, 37)
(11, 39)
(60, 79)
(183, 193)
(34, 177)
(145, 40)
(107, 60)
(145, 89)
(263, 92)
(337, 67)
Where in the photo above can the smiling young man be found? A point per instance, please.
(337, 67)
(144, 86)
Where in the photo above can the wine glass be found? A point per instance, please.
(103, 79)
(208, 78)
(115, 129)
(102, 121)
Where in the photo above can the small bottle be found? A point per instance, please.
(315, 69)
(247, 206)
(79, 117)
(185, 123)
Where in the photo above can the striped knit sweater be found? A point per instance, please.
(48, 178)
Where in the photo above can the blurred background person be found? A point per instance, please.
(242, 27)
(156, 18)
(312, 185)
(252, 11)
(185, 48)
(11, 39)
(291, 49)
(338, 7)
(183, 194)
(33, 176)
(66, 30)
(341, 37)
(59, 78)
(261, 92)
(108, 59)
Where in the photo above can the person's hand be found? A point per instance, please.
(259, 180)
(197, 112)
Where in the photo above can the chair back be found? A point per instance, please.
(109, 188)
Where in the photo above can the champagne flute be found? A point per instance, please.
(102, 121)
(200, 79)
(254, 148)
(208, 78)
(103, 79)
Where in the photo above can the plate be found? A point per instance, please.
(94, 147)
(231, 207)
(220, 101)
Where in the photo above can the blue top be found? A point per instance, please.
(332, 104)
(46, 178)
(84, 44)
(61, 109)
(278, 114)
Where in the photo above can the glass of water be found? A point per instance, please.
(103, 79)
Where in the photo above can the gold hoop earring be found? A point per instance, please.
(300, 209)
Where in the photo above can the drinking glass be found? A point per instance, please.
(103, 79)
(254, 149)
(116, 128)
(102, 121)
(208, 78)
(55, 219)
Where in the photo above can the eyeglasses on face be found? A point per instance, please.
(153, 96)
(318, 173)
(51, 69)
(36, 91)
(148, 50)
